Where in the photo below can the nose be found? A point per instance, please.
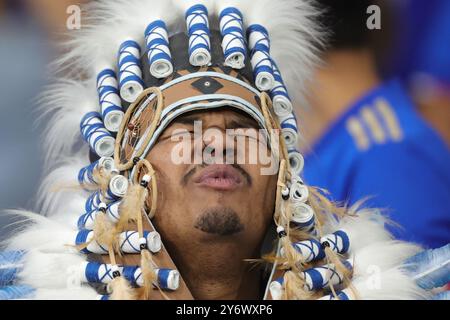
(215, 146)
(216, 149)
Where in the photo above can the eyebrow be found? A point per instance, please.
(239, 122)
(242, 123)
(187, 119)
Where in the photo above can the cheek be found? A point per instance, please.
(169, 174)
(263, 192)
(170, 193)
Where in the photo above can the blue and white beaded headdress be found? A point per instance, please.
(223, 57)
(136, 55)
(133, 67)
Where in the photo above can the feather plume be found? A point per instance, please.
(392, 284)
(148, 272)
(294, 287)
(40, 233)
(61, 107)
(131, 206)
(293, 259)
(102, 178)
(431, 268)
(363, 228)
(105, 232)
(333, 258)
(293, 31)
(10, 263)
(105, 25)
(121, 289)
(184, 5)
(59, 194)
(50, 270)
(383, 255)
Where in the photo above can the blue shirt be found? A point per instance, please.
(380, 148)
(422, 43)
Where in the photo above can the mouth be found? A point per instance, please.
(221, 177)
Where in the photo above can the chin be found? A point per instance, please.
(219, 221)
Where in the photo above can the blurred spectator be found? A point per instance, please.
(367, 139)
(25, 50)
(421, 57)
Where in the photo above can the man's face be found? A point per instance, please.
(214, 199)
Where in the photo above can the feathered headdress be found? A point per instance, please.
(136, 65)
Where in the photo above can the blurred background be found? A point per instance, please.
(27, 30)
(413, 46)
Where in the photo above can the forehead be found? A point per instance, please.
(226, 115)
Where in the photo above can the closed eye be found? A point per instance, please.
(177, 134)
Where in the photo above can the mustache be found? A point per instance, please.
(192, 171)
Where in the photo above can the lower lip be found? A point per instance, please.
(221, 184)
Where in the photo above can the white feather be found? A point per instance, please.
(382, 255)
(61, 107)
(184, 5)
(294, 32)
(105, 25)
(51, 270)
(59, 193)
(223, 4)
(392, 284)
(42, 234)
(364, 228)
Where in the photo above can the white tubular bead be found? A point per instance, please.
(282, 104)
(113, 211)
(110, 103)
(233, 38)
(96, 135)
(107, 163)
(302, 215)
(97, 272)
(146, 178)
(285, 191)
(259, 44)
(118, 185)
(296, 161)
(276, 289)
(289, 130)
(168, 279)
(130, 73)
(154, 242)
(159, 56)
(317, 278)
(299, 192)
(102, 206)
(130, 242)
(86, 175)
(198, 32)
(339, 241)
(280, 229)
(142, 241)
